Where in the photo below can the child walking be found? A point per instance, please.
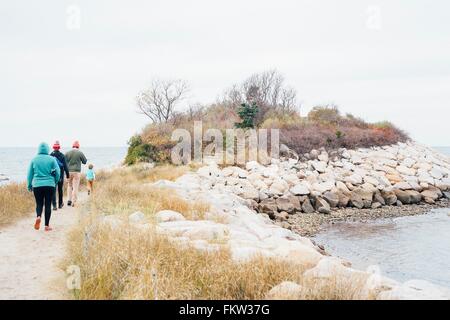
(90, 177)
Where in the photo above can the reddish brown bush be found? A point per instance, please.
(307, 136)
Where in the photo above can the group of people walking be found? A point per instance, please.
(46, 175)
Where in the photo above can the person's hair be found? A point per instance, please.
(91, 166)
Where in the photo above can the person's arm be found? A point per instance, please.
(57, 171)
(66, 168)
(30, 176)
(83, 158)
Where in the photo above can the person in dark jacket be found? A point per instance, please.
(61, 160)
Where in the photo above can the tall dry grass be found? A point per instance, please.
(127, 190)
(134, 264)
(15, 202)
(128, 262)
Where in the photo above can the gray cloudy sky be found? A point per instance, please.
(377, 59)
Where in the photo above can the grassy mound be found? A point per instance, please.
(322, 127)
(261, 101)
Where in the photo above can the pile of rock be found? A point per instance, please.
(406, 173)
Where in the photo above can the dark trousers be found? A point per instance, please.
(60, 191)
(43, 196)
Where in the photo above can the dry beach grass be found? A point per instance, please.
(124, 191)
(15, 202)
(135, 264)
(128, 262)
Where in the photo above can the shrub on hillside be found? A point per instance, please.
(137, 151)
(276, 119)
(307, 136)
(325, 115)
(148, 147)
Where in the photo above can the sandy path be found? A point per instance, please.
(29, 259)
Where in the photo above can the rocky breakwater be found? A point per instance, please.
(322, 182)
(363, 178)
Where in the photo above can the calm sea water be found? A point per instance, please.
(14, 161)
(405, 248)
(444, 150)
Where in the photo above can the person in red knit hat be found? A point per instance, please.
(61, 160)
(74, 160)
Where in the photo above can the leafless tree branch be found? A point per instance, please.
(267, 89)
(159, 101)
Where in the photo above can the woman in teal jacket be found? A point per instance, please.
(43, 176)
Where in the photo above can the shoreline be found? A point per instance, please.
(310, 224)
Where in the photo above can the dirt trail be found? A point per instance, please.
(29, 259)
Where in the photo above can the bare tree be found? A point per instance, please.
(267, 89)
(288, 100)
(195, 112)
(158, 102)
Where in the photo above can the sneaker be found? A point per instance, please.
(37, 224)
(47, 228)
(61, 206)
(55, 208)
(69, 203)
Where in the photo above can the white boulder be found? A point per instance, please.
(169, 215)
(406, 171)
(436, 173)
(319, 166)
(285, 291)
(354, 179)
(300, 189)
(137, 217)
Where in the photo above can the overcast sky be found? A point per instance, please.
(62, 80)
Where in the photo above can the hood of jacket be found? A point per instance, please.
(43, 148)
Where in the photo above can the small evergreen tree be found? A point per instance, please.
(247, 112)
